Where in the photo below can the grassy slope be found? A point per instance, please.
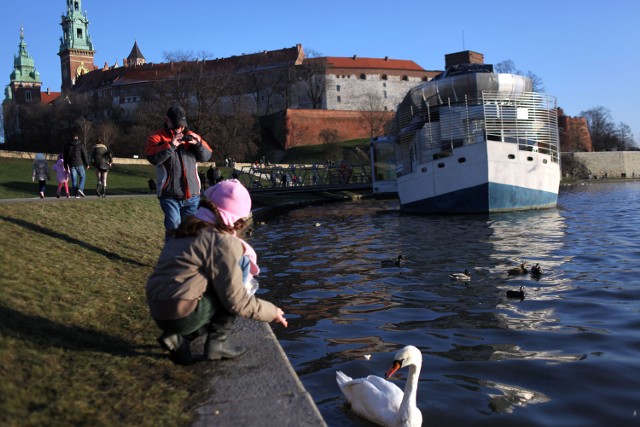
(77, 345)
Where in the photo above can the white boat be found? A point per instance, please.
(472, 141)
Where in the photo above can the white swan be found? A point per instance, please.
(381, 401)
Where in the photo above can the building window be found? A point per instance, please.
(27, 96)
(339, 99)
(363, 76)
(384, 84)
(405, 78)
(337, 88)
(79, 33)
(384, 94)
(76, 7)
(384, 77)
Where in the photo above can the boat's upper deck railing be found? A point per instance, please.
(528, 119)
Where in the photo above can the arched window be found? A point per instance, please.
(363, 76)
(405, 78)
(384, 77)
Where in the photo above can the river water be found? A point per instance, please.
(566, 355)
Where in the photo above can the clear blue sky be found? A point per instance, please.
(585, 51)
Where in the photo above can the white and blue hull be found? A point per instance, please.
(481, 178)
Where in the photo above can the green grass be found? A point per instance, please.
(77, 344)
(15, 179)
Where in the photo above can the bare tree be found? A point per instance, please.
(509, 67)
(312, 73)
(601, 128)
(107, 131)
(84, 130)
(373, 113)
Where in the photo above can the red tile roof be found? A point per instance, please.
(372, 63)
(48, 98)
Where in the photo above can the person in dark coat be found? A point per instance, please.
(101, 159)
(75, 161)
(176, 151)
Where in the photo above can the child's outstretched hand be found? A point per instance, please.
(280, 318)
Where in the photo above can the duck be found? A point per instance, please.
(536, 270)
(516, 294)
(381, 401)
(461, 277)
(395, 262)
(518, 271)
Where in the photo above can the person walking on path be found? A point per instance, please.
(176, 151)
(197, 286)
(75, 161)
(62, 175)
(40, 173)
(101, 159)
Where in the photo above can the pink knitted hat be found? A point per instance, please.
(231, 198)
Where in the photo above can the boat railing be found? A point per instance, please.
(434, 131)
(530, 121)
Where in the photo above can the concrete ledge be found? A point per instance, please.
(259, 388)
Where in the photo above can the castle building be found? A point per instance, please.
(300, 97)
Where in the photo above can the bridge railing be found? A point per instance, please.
(300, 175)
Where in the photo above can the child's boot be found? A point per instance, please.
(217, 347)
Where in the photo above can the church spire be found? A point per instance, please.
(24, 69)
(25, 82)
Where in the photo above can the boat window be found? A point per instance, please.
(462, 159)
(530, 159)
(424, 169)
(440, 165)
(544, 161)
(511, 156)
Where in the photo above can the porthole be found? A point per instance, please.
(511, 156)
(462, 159)
(440, 165)
(530, 159)
(544, 161)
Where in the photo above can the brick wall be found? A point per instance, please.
(303, 127)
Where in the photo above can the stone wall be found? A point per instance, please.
(606, 164)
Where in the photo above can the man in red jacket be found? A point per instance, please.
(176, 151)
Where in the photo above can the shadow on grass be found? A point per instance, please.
(24, 187)
(44, 332)
(68, 239)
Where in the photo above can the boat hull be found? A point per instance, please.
(481, 178)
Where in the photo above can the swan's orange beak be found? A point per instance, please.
(392, 370)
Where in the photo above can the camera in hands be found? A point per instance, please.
(187, 138)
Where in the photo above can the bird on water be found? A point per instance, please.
(518, 271)
(461, 277)
(395, 262)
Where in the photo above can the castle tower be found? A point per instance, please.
(76, 49)
(25, 83)
(135, 57)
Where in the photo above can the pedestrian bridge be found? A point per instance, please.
(301, 177)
